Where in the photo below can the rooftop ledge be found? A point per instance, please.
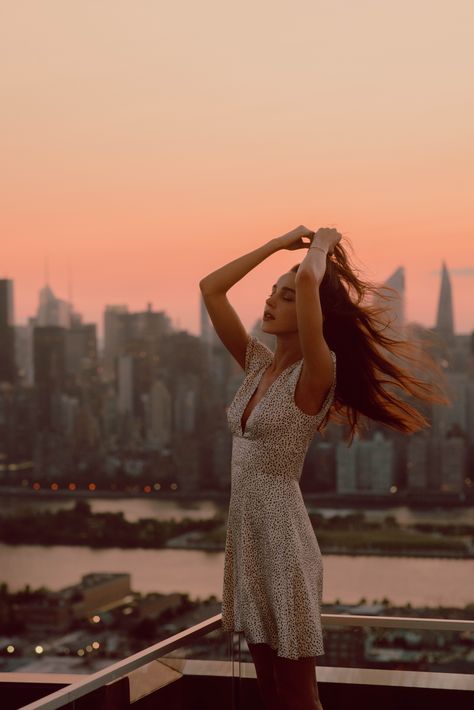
(143, 675)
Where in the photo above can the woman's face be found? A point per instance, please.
(279, 314)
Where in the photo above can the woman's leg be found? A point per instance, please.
(263, 657)
(296, 682)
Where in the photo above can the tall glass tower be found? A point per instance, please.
(445, 315)
(7, 332)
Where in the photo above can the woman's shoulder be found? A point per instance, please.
(257, 354)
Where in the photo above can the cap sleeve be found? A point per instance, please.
(256, 355)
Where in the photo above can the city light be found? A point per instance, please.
(72, 486)
(95, 645)
(10, 649)
(39, 650)
(80, 652)
(147, 489)
(92, 486)
(174, 486)
(54, 487)
(95, 619)
(36, 486)
(89, 648)
(157, 486)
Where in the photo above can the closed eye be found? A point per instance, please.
(285, 298)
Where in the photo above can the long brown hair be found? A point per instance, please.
(369, 380)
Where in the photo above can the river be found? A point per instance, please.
(418, 581)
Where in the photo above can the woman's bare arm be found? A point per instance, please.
(318, 370)
(214, 289)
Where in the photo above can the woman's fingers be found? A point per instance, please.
(328, 237)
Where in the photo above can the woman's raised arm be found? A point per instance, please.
(214, 289)
(215, 285)
(318, 370)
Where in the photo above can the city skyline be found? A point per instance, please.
(394, 280)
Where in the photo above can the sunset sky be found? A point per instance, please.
(145, 143)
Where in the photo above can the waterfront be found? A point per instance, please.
(418, 581)
(132, 508)
(167, 508)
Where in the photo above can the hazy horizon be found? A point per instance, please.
(196, 331)
(144, 145)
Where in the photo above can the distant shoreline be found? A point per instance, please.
(322, 500)
(348, 552)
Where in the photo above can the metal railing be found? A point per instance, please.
(73, 692)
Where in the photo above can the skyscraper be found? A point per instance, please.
(81, 349)
(208, 334)
(159, 423)
(126, 384)
(366, 466)
(453, 463)
(112, 331)
(396, 303)
(445, 316)
(49, 349)
(52, 311)
(205, 322)
(7, 332)
(417, 458)
(346, 467)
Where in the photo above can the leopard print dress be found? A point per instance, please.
(273, 568)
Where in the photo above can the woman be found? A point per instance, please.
(273, 572)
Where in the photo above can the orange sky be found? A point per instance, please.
(145, 143)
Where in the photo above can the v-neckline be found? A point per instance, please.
(243, 429)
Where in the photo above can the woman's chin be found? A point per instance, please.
(266, 326)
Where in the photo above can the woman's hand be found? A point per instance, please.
(326, 238)
(294, 239)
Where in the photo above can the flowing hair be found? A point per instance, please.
(370, 381)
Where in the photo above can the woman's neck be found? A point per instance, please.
(287, 351)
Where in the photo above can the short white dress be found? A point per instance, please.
(273, 568)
